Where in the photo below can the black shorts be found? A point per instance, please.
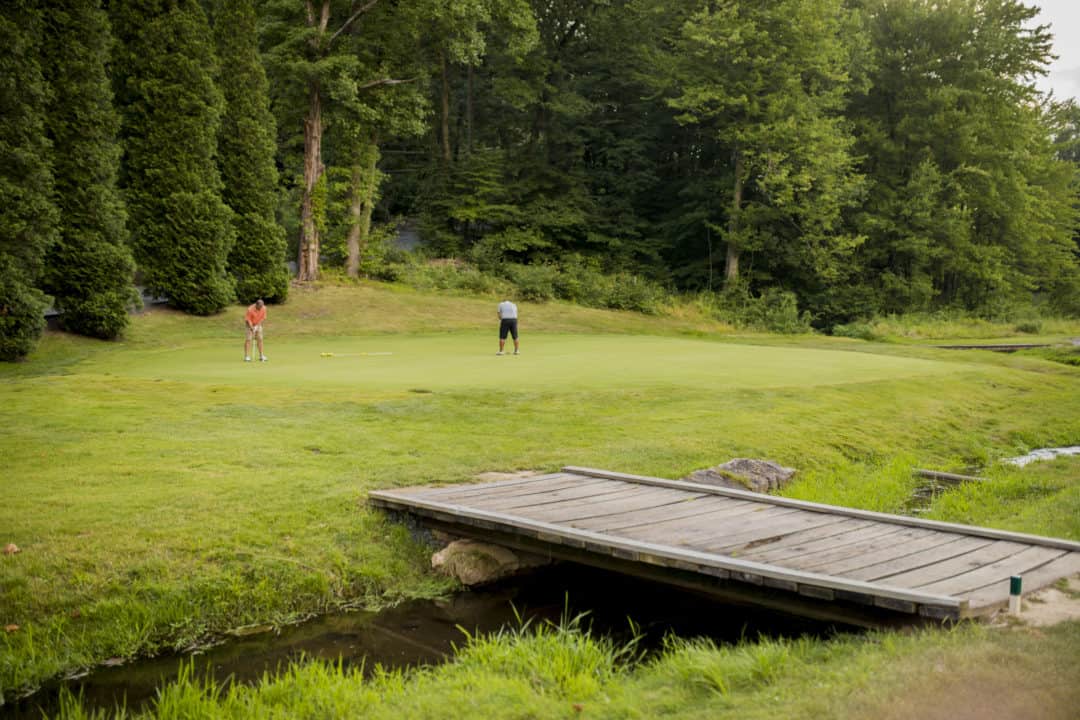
(508, 325)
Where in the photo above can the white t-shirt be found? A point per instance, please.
(507, 310)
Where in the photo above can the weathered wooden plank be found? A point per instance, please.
(608, 510)
(849, 512)
(996, 594)
(888, 542)
(919, 553)
(576, 493)
(814, 591)
(705, 526)
(444, 490)
(728, 542)
(532, 489)
(796, 546)
(962, 563)
(564, 510)
(672, 527)
(947, 477)
(1027, 559)
(467, 493)
(741, 527)
(696, 505)
(609, 544)
(900, 605)
(781, 539)
(714, 507)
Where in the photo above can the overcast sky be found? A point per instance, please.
(1063, 16)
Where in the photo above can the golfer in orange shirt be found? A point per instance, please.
(254, 319)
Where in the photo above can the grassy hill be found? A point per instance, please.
(161, 490)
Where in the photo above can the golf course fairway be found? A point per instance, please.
(161, 491)
(556, 362)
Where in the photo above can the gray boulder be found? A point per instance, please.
(761, 476)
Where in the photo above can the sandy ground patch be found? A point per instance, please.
(1048, 606)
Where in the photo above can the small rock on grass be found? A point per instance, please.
(761, 476)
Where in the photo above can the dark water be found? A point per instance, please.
(426, 632)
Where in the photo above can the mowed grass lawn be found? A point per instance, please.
(161, 490)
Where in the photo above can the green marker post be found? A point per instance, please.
(1015, 589)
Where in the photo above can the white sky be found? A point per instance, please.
(1063, 17)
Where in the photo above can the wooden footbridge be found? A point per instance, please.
(824, 561)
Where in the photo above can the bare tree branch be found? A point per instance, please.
(349, 22)
(385, 81)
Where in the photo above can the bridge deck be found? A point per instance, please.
(829, 553)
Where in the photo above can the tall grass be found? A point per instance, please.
(953, 325)
(559, 672)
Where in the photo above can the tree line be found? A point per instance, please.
(866, 156)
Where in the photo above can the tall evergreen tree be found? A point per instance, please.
(89, 271)
(27, 214)
(171, 109)
(246, 148)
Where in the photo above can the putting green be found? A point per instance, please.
(467, 360)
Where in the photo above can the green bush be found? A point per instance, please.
(493, 251)
(631, 292)
(774, 310)
(533, 282)
(1031, 327)
(576, 279)
(22, 313)
(857, 330)
(379, 258)
(451, 275)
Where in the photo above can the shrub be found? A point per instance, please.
(774, 310)
(451, 275)
(857, 330)
(22, 313)
(580, 280)
(533, 282)
(631, 292)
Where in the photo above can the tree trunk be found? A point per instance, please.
(469, 113)
(731, 266)
(313, 169)
(445, 107)
(362, 187)
(308, 260)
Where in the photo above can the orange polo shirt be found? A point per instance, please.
(255, 316)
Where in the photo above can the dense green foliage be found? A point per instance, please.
(27, 215)
(89, 269)
(181, 228)
(246, 149)
(830, 161)
(872, 157)
(968, 205)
